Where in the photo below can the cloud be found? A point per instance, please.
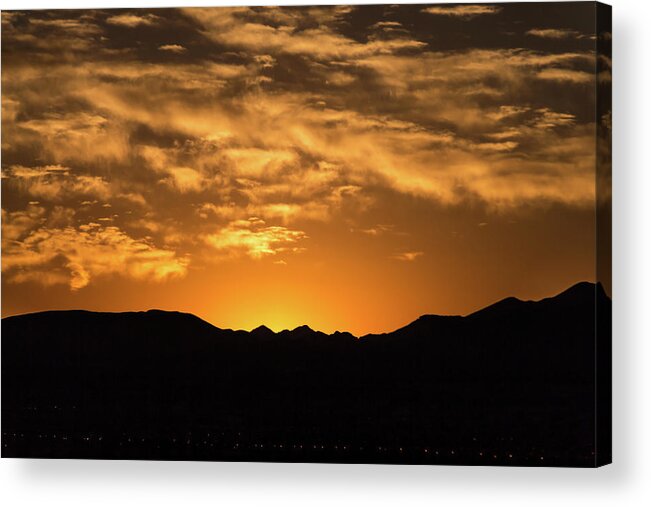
(407, 256)
(19, 171)
(282, 115)
(65, 37)
(16, 224)
(165, 162)
(185, 179)
(388, 25)
(286, 152)
(132, 20)
(463, 11)
(255, 239)
(285, 212)
(548, 119)
(55, 182)
(256, 162)
(377, 230)
(9, 16)
(566, 75)
(76, 256)
(552, 33)
(508, 111)
(275, 30)
(356, 146)
(172, 48)
(66, 137)
(80, 26)
(497, 147)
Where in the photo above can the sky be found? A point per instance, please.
(348, 168)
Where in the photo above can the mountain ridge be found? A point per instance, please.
(502, 306)
(517, 378)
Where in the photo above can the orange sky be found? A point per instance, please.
(347, 168)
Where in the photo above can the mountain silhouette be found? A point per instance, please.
(262, 331)
(516, 383)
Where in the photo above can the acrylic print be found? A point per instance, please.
(345, 234)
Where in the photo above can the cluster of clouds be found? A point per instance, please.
(254, 238)
(237, 136)
(35, 249)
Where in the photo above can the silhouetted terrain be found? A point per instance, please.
(513, 383)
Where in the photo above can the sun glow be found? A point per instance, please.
(279, 314)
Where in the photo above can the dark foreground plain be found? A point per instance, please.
(513, 384)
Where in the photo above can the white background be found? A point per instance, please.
(626, 482)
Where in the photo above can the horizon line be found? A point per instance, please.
(568, 289)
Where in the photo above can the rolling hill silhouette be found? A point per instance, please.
(516, 383)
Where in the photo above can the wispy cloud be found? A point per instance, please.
(463, 11)
(274, 30)
(548, 119)
(255, 239)
(569, 75)
(172, 48)
(132, 20)
(56, 183)
(553, 33)
(407, 256)
(377, 230)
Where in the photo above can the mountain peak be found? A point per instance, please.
(303, 329)
(262, 330)
(579, 289)
(503, 306)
